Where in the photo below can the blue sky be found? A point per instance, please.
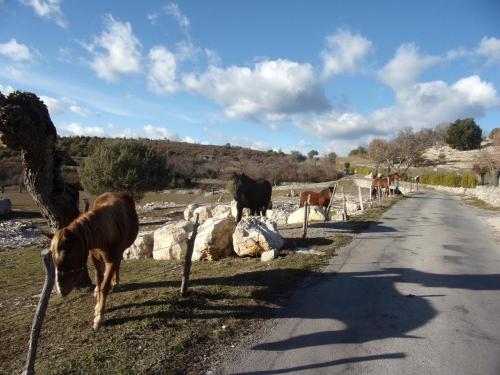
(290, 75)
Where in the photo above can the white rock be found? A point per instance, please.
(204, 212)
(266, 256)
(214, 239)
(315, 214)
(221, 210)
(255, 235)
(170, 240)
(189, 210)
(141, 248)
(5, 206)
(280, 217)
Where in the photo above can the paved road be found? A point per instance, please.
(419, 293)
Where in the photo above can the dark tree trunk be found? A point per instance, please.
(25, 125)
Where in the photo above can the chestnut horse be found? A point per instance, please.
(384, 183)
(105, 232)
(321, 199)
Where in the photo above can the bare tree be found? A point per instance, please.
(25, 125)
(489, 158)
(378, 151)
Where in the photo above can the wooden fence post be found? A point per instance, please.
(40, 311)
(344, 209)
(379, 192)
(187, 259)
(306, 216)
(360, 199)
(328, 209)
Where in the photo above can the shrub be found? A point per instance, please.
(124, 165)
(450, 180)
(464, 135)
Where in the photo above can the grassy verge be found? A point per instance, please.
(150, 328)
(478, 203)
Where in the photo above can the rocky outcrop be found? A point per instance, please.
(214, 240)
(255, 235)
(170, 241)
(141, 248)
(315, 214)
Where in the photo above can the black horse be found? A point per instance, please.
(255, 195)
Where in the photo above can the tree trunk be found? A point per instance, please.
(25, 125)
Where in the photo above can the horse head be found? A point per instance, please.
(330, 190)
(70, 259)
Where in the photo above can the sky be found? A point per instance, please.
(282, 75)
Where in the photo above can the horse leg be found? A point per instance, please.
(109, 269)
(239, 208)
(115, 283)
(99, 273)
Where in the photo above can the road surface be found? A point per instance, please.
(418, 293)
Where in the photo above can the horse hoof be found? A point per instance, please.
(98, 322)
(95, 292)
(116, 288)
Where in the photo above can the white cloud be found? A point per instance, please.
(116, 51)
(212, 57)
(80, 111)
(344, 52)
(185, 50)
(126, 133)
(54, 105)
(6, 89)
(50, 9)
(75, 128)
(15, 51)
(419, 105)
(249, 143)
(405, 67)
(174, 11)
(188, 139)
(490, 48)
(270, 88)
(154, 132)
(162, 70)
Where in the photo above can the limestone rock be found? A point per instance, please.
(315, 214)
(255, 235)
(170, 240)
(141, 248)
(189, 210)
(221, 210)
(280, 217)
(214, 240)
(267, 256)
(204, 212)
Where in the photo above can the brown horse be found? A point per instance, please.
(384, 183)
(105, 232)
(321, 199)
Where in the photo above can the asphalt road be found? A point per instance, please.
(418, 293)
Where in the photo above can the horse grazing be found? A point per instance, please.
(321, 199)
(105, 232)
(252, 194)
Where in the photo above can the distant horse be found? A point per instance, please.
(105, 232)
(384, 183)
(252, 194)
(321, 199)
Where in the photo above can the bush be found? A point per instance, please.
(456, 180)
(464, 135)
(124, 165)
